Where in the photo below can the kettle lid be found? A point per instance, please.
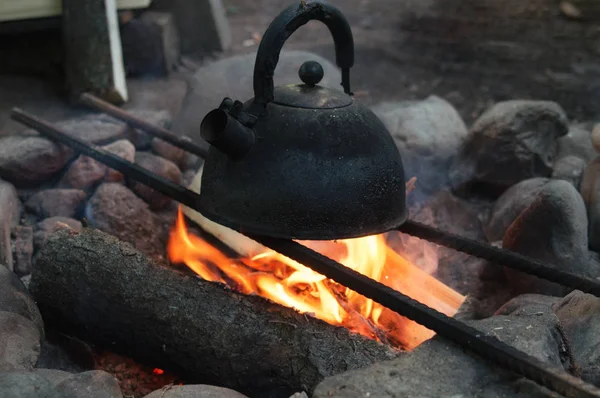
(310, 95)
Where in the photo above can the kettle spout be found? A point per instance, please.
(227, 134)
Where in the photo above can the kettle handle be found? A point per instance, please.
(282, 27)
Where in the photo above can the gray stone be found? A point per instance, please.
(15, 298)
(579, 314)
(160, 118)
(590, 191)
(194, 391)
(508, 206)
(56, 203)
(26, 385)
(9, 216)
(428, 134)
(116, 210)
(569, 168)
(232, 77)
(85, 171)
(44, 228)
(29, 160)
(98, 129)
(23, 249)
(511, 142)
(438, 368)
(525, 300)
(19, 342)
(54, 376)
(161, 167)
(552, 230)
(91, 384)
(577, 142)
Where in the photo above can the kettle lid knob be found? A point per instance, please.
(311, 73)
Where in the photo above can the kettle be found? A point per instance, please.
(301, 161)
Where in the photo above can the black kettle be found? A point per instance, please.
(301, 161)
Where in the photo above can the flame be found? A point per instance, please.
(289, 283)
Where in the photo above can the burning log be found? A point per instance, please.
(102, 290)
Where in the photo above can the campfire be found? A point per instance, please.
(269, 274)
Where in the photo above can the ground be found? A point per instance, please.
(470, 52)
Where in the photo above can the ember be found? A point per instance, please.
(289, 283)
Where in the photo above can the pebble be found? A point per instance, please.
(56, 203)
(194, 391)
(161, 167)
(30, 160)
(19, 342)
(511, 142)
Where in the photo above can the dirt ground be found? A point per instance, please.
(471, 52)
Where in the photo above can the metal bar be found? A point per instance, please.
(471, 339)
(499, 256)
(129, 170)
(163, 134)
(488, 347)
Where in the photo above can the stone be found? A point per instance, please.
(590, 191)
(85, 171)
(44, 228)
(29, 160)
(577, 142)
(161, 167)
(232, 77)
(511, 142)
(10, 213)
(569, 168)
(510, 204)
(170, 152)
(552, 230)
(299, 395)
(15, 298)
(23, 249)
(54, 376)
(91, 384)
(194, 391)
(579, 314)
(92, 128)
(56, 203)
(150, 44)
(526, 300)
(116, 210)
(438, 368)
(428, 135)
(26, 385)
(160, 118)
(19, 342)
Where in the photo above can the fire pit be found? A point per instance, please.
(253, 310)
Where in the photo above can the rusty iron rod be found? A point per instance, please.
(131, 120)
(488, 347)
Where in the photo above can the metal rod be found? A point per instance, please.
(130, 170)
(163, 134)
(487, 346)
(499, 256)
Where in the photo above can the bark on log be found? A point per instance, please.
(102, 290)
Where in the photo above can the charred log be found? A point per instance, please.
(102, 290)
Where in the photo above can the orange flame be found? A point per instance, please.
(289, 283)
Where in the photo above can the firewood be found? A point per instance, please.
(101, 290)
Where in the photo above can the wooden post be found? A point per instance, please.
(93, 54)
(202, 24)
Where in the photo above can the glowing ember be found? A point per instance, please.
(289, 283)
